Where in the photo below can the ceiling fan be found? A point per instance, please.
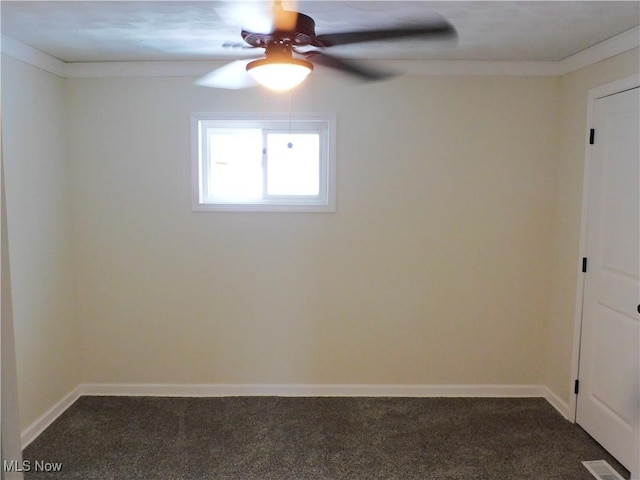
(292, 48)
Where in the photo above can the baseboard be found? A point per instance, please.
(313, 390)
(30, 433)
(557, 403)
(288, 390)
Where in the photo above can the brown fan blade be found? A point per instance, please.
(347, 66)
(275, 19)
(437, 31)
(284, 20)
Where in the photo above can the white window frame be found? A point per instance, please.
(324, 124)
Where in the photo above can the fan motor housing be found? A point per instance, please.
(302, 34)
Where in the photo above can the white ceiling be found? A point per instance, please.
(101, 31)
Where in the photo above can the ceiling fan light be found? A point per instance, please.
(279, 75)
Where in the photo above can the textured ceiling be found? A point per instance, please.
(84, 31)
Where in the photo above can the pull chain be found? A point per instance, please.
(264, 119)
(264, 106)
(290, 144)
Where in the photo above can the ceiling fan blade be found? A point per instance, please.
(257, 18)
(232, 76)
(238, 45)
(441, 30)
(347, 66)
(284, 20)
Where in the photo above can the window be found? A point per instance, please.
(257, 163)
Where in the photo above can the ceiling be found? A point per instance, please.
(104, 31)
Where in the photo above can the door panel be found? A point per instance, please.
(608, 405)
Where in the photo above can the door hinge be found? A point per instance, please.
(592, 136)
(576, 386)
(584, 264)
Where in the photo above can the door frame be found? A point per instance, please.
(618, 86)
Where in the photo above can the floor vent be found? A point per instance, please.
(602, 470)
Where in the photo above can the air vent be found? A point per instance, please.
(602, 470)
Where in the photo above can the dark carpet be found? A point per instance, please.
(287, 438)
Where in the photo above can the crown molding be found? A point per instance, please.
(467, 67)
(140, 69)
(406, 67)
(608, 48)
(34, 57)
(603, 50)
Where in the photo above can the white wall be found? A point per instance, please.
(575, 88)
(436, 268)
(450, 260)
(40, 244)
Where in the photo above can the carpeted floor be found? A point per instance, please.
(287, 438)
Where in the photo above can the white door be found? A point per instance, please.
(608, 403)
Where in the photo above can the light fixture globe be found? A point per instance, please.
(279, 70)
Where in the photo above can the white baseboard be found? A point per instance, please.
(30, 433)
(557, 403)
(288, 390)
(313, 390)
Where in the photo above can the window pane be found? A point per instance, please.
(243, 162)
(293, 164)
(235, 164)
